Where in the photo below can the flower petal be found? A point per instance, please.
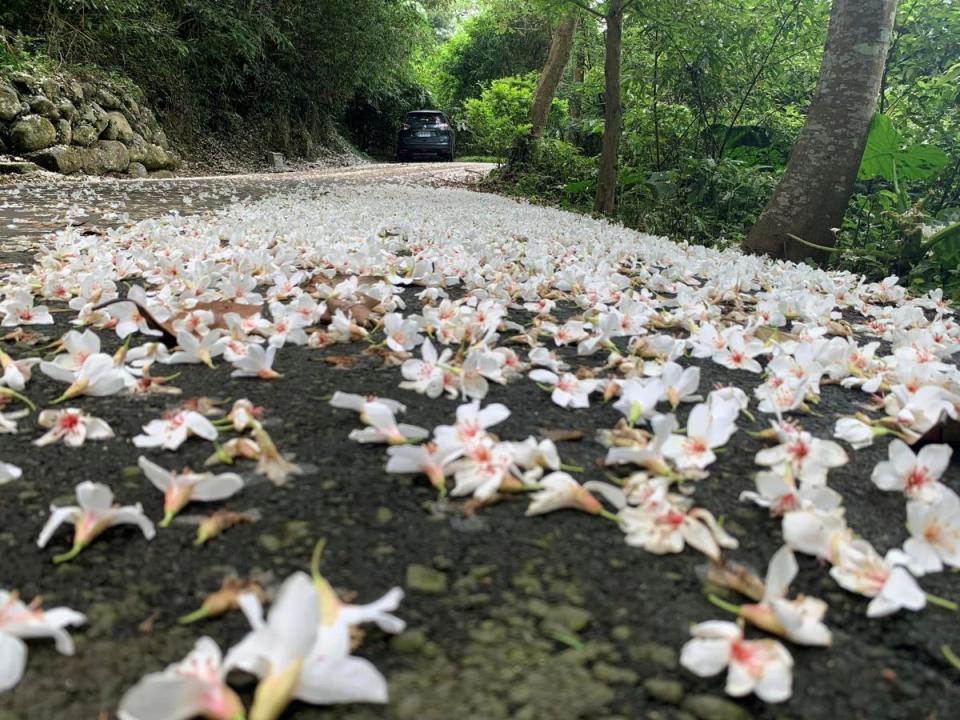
(13, 660)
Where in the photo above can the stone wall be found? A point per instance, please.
(72, 125)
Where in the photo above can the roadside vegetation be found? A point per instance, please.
(713, 97)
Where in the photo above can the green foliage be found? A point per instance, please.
(704, 201)
(884, 232)
(294, 65)
(496, 119)
(490, 45)
(886, 156)
(552, 163)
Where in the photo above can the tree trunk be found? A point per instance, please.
(606, 200)
(557, 60)
(812, 197)
(579, 75)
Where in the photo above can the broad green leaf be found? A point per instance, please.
(579, 186)
(884, 149)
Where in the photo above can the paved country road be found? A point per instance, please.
(32, 210)
(544, 317)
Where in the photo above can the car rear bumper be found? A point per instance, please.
(422, 147)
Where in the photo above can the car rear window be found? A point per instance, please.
(421, 119)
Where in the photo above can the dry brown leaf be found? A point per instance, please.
(25, 337)
(220, 522)
(225, 599)
(771, 333)
(341, 362)
(839, 327)
(735, 576)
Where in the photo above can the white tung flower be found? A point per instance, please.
(172, 431)
(915, 475)
(194, 687)
(19, 622)
(94, 513)
(762, 667)
(71, 427)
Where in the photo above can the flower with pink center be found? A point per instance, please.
(181, 488)
(761, 667)
(777, 491)
(78, 347)
(431, 460)
(934, 534)
(256, 363)
(664, 523)
(483, 468)
(401, 334)
(560, 491)
(194, 687)
(71, 427)
(20, 310)
(807, 458)
(568, 391)
(171, 431)
(860, 569)
(706, 430)
(915, 475)
(472, 423)
(94, 513)
(383, 427)
(426, 376)
(739, 354)
(782, 394)
(19, 622)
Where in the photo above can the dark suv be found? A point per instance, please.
(425, 132)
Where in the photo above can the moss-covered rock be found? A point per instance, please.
(106, 156)
(32, 133)
(710, 707)
(64, 159)
(117, 128)
(10, 105)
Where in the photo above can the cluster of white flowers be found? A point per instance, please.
(505, 293)
(302, 650)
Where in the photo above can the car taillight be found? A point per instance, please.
(405, 126)
(443, 126)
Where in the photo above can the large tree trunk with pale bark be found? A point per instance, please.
(812, 197)
(560, 49)
(606, 200)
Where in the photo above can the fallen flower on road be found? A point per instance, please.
(19, 622)
(915, 475)
(181, 488)
(196, 686)
(98, 376)
(72, 427)
(295, 657)
(172, 431)
(761, 667)
(9, 472)
(94, 514)
(383, 427)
